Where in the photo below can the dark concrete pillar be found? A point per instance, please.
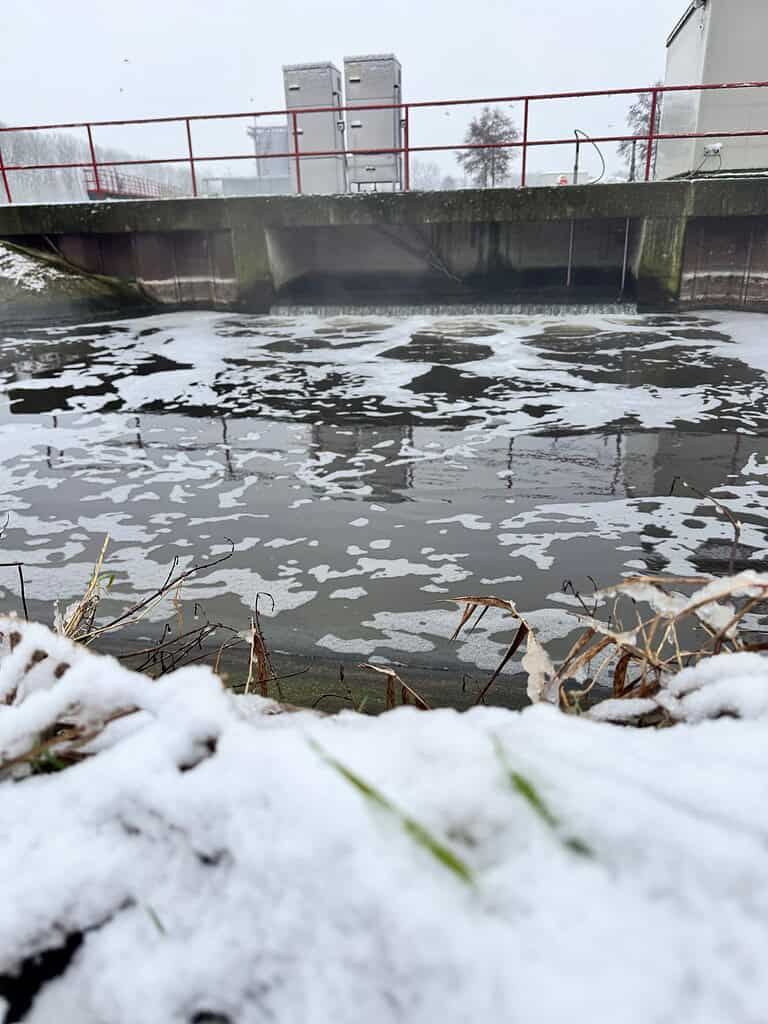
(660, 263)
(256, 290)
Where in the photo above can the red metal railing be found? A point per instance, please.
(98, 168)
(110, 183)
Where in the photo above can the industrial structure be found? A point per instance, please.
(370, 82)
(273, 172)
(308, 87)
(715, 41)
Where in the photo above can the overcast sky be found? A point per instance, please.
(69, 60)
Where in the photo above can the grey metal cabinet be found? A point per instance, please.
(310, 86)
(374, 80)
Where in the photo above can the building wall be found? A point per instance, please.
(680, 110)
(736, 52)
(724, 41)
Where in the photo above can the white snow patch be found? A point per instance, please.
(207, 824)
(26, 273)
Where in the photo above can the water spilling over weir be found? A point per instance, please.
(553, 309)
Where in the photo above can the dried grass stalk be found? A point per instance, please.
(643, 657)
(407, 693)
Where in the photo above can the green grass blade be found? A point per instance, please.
(417, 831)
(154, 917)
(536, 802)
(528, 792)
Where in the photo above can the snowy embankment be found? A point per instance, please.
(28, 284)
(215, 861)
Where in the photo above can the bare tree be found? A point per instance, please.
(425, 177)
(68, 184)
(489, 167)
(634, 152)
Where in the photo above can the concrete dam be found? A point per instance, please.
(662, 245)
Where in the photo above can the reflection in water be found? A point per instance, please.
(365, 455)
(368, 468)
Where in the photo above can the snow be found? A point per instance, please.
(719, 687)
(25, 272)
(727, 684)
(536, 662)
(215, 858)
(716, 615)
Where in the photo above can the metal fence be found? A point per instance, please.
(107, 183)
(99, 170)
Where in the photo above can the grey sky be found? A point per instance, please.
(67, 60)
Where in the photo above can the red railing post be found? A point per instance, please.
(191, 158)
(296, 156)
(525, 144)
(5, 179)
(407, 150)
(94, 164)
(651, 134)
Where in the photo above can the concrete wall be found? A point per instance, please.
(497, 245)
(726, 263)
(183, 268)
(437, 261)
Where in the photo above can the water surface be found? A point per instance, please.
(368, 468)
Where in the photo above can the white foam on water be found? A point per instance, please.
(514, 457)
(350, 594)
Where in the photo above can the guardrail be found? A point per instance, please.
(525, 143)
(109, 183)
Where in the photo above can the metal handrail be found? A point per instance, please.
(113, 182)
(94, 165)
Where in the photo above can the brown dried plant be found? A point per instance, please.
(639, 659)
(407, 694)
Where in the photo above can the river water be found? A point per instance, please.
(368, 468)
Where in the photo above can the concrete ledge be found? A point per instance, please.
(244, 252)
(584, 202)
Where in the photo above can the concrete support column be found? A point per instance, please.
(256, 290)
(660, 262)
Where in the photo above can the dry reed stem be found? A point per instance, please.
(646, 657)
(259, 659)
(406, 691)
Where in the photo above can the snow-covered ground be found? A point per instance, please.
(214, 861)
(25, 273)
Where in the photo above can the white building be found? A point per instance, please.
(716, 41)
